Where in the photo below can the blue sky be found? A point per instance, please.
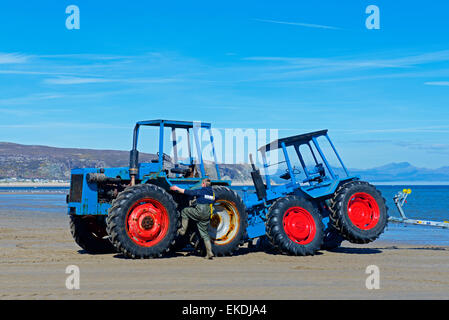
(292, 65)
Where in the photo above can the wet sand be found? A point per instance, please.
(36, 249)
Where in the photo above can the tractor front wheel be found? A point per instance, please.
(294, 226)
(89, 232)
(143, 221)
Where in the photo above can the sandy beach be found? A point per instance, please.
(35, 251)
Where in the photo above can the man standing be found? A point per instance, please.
(200, 212)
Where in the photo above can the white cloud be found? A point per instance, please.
(11, 58)
(44, 125)
(356, 62)
(81, 80)
(165, 69)
(75, 80)
(306, 69)
(427, 129)
(300, 24)
(29, 99)
(437, 83)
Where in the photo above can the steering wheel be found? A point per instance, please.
(296, 170)
(286, 175)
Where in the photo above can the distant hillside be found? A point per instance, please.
(49, 163)
(42, 162)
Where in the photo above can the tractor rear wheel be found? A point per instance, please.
(294, 226)
(228, 223)
(89, 232)
(143, 221)
(358, 212)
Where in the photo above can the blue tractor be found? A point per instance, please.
(131, 210)
(317, 206)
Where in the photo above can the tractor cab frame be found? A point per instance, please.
(321, 180)
(182, 170)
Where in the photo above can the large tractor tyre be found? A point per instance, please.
(294, 226)
(358, 212)
(228, 223)
(89, 232)
(332, 238)
(143, 222)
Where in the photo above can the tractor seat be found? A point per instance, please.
(179, 170)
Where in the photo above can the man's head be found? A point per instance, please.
(205, 182)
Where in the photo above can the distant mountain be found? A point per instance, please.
(403, 171)
(50, 163)
(42, 162)
(392, 172)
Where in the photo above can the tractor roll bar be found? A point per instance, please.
(134, 154)
(295, 141)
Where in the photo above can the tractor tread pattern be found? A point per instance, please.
(278, 239)
(231, 248)
(343, 226)
(116, 224)
(84, 238)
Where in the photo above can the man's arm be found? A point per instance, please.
(184, 191)
(176, 188)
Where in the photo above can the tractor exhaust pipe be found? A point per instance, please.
(252, 162)
(133, 165)
(261, 189)
(134, 157)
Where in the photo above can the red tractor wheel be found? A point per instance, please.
(147, 222)
(294, 226)
(358, 212)
(299, 225)
(143, 221)
(363, 210)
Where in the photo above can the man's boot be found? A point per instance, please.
(184, 224)
(209, 253)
